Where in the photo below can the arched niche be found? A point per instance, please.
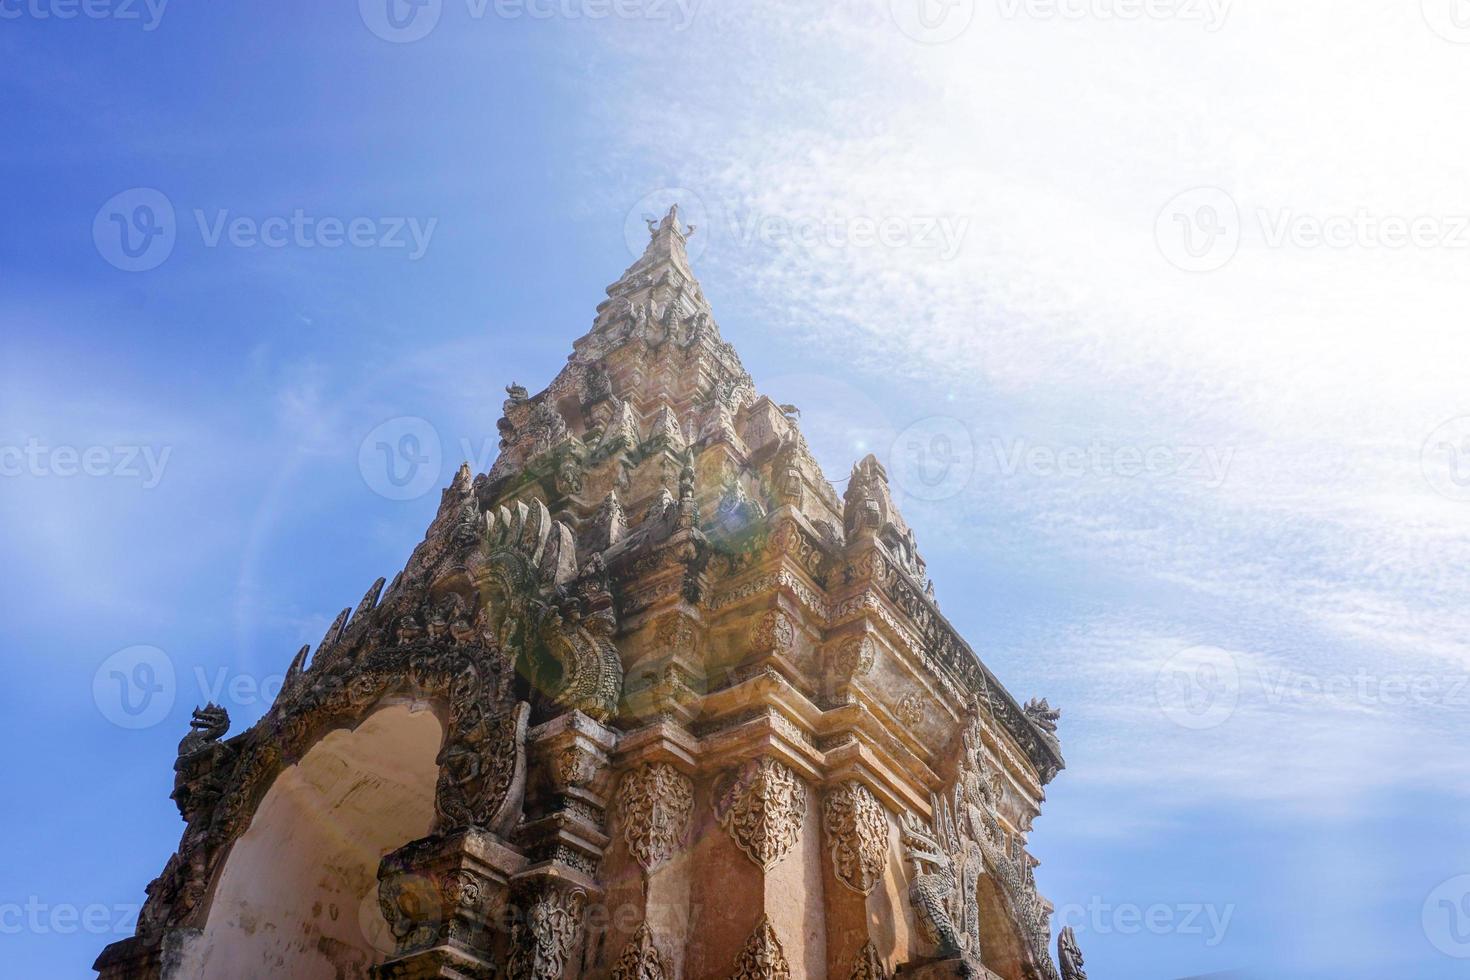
(297, 896)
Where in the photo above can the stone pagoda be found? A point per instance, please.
(649, 701)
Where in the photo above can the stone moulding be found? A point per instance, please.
(762, 806)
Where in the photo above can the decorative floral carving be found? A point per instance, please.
(869, 965)
(574, 766)
(641, 959)
(856, 657)
(461, 888)
(856, 827)
(910, 710)
(541, 944)
(762, 807)
(773, 632)
(762, 957)
(674, 633)
(656, 801)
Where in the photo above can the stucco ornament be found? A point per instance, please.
(773, 632)
(762, 957)
(541, 944)
(762, 808)
(964, 842)
(856, 657)
(857, 834)
(656, 801)
(641, 959)
(869, 965)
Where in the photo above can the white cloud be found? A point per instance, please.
(1060, 322)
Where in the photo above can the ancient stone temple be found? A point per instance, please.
(649, 701)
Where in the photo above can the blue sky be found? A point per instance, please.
(1117, 297)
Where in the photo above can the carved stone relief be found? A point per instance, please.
(762, 957)
(762, 807)
(655, 802)
(856, 828)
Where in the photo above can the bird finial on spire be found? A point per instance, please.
(670, 221)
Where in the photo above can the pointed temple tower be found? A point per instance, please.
(648, 702)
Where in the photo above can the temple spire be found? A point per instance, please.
(666, 241)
